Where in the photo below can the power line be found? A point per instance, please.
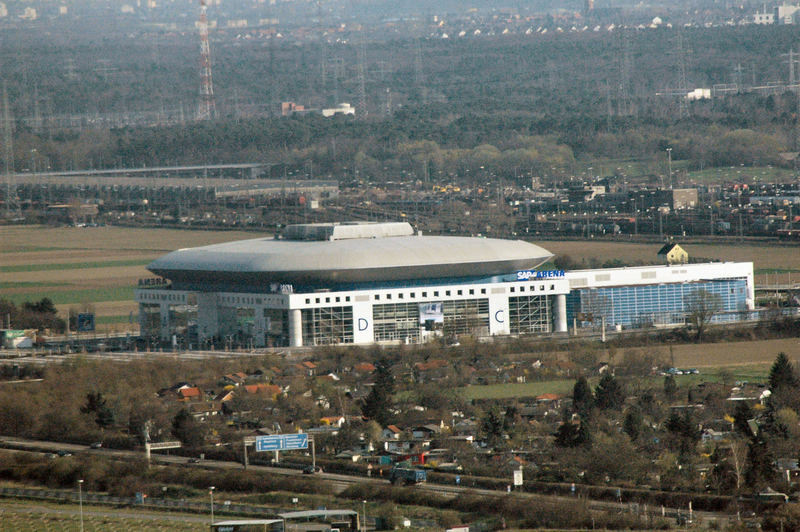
(206, 109)
(12, 200)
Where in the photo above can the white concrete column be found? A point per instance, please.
(560, 313)
(363, 331)
(295, 327)
(498, 314)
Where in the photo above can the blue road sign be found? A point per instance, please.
(85, 322)
(282, 442)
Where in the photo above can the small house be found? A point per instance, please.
(673, 254)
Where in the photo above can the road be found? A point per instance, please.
(342, 482)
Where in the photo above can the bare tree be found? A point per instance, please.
(738, 459)
(703, 306)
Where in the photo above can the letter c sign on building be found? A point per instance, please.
(499, 316)
(362, 324)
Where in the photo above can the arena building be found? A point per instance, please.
(363, 283)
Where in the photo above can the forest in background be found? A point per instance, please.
(464, 109)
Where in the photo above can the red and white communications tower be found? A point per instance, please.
(206, 109)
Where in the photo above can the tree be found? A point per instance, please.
(759, 470)
(492, 426)
(702, 307)
(632, 425)
(741, 418)
(782, 375)
(670, 387)
(683, 432)
(609, 393)
(377, 405)
(96, 404)
(187, 430)
(570, 434)
(582, 398)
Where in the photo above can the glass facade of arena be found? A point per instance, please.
(653, 305)
(529, 314)
(277, 327)
(150, 319)
(236, 323)
(466, 316)
(398, 321)
(327, 325)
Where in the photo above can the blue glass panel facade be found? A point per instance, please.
(652, 305)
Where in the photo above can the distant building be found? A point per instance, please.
(786, 14)
(764, 18)
(674, 254)
(678, 198)
(585, 193)
(699, 94)
(290, 108)
(29, 13)
(341, 109)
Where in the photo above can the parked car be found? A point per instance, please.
(96, 445)
(193, 461)
(310, 470)
(64, 452)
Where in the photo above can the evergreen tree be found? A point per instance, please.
(782, 375)
(683, 431)
(609, 393)
(582, 398)
(377, 405)
(187, 429)
(570, 434)
(566, 434)
(632, 425)
(96, 404)
(584, 436)
(670, 387)
(492, 426)
(741, 416)
(759, 470)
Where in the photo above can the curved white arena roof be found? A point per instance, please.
(392, 258)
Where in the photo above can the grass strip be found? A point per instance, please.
(66, 297)
(29, 284)
(73, 265)
(30, 249)
(517, 389)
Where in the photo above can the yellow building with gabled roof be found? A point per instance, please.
(674, 254)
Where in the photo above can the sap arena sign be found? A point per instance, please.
(528, 275)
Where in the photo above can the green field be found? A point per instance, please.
(71, 265)
(99, 266)
(29, 284)
(516, 389)
(742, 174)
(72, 297)
(528, 390)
